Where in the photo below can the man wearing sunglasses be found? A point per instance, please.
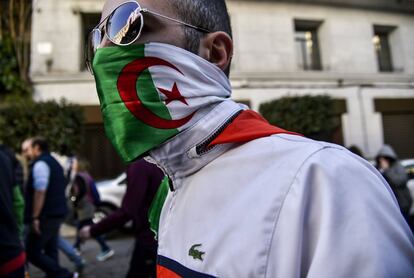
(246, 199)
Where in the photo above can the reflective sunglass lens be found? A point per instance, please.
(125, 24)
(94, 41)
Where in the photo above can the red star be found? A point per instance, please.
(172, 95)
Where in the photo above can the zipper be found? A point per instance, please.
(203, 147)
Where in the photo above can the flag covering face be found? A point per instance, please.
(149, 93)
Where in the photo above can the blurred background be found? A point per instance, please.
(337, 70)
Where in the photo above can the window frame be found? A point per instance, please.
(311, 26)
(94, 18)
(382, 46)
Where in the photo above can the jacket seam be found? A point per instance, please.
(294, 180)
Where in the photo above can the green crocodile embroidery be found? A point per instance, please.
(196, 254)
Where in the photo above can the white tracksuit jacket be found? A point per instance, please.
(280, 206)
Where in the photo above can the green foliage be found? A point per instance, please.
(15, 35)
(60, 123)
(308, 115)
(11, 84)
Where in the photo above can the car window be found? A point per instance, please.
(410, 171)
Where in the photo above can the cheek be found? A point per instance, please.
(176, 37)
(105, 42)
(204, 52)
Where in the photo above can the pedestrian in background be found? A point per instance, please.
(84, 199)
(12, 256)
(396, 176)
(45, 208)
(63, 245)
(143, 181)
(356, 150)
(25, 157)
(69, 163)
(70, 252)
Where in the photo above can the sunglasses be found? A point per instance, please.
(123, 26)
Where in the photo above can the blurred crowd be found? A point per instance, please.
(39, 189)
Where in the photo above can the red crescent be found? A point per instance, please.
(127, 88)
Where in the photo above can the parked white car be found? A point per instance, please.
(409, 166)
(111, 193)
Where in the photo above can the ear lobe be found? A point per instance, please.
(217, 48)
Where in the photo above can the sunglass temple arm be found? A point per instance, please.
(144, 10)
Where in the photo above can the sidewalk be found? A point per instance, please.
(117, 266)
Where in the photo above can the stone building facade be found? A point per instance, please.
(360, 54)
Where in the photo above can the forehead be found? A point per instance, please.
(161, 6)
(26, 144)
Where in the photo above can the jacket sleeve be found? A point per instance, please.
(340, 219)
(113, 221)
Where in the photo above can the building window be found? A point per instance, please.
(306, 44)
(382, 47)
(89, 21)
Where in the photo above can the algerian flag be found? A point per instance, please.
(149, 93)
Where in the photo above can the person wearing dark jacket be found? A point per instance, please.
(143, 181)
(396, 176)
(45, 209)
(12, 256)
(17, 191)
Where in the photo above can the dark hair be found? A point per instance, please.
(41, 143)
(65, 150)
(208, 14)
(356, 150)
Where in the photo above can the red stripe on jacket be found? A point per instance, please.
(246, 127)
(163, 272)
(13, 264)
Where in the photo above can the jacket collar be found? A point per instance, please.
(189, 151)
(40, 157)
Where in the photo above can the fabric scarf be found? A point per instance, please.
(150, 93)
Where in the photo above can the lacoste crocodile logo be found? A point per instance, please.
(196, 254)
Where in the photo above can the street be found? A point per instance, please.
(116, 266)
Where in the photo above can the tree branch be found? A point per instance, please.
(1, 21)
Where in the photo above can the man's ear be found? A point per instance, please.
(217, 48)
